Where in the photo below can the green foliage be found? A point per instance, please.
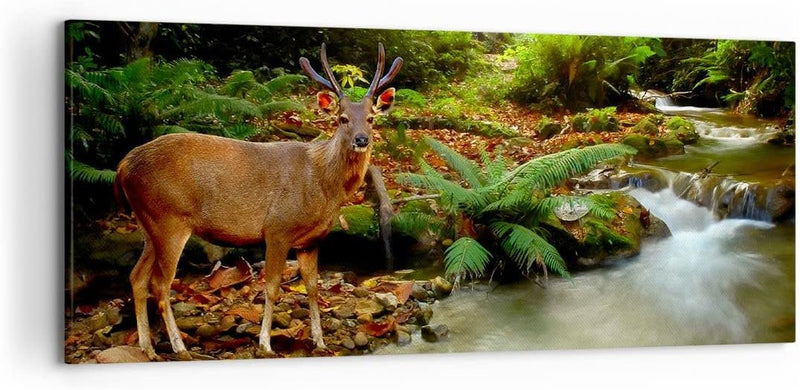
(683, 129)
(510, 203)
(576, 71)
(466, 257)
(116, 109)
(547, 128)
(596, 120)
(645, 126)
(348, 75)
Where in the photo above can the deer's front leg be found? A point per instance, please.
(275, 259)
(307, 260)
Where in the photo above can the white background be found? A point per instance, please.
(31, 215)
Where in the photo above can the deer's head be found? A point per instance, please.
(355, 118)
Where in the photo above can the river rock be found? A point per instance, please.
(364, 318)
(387, 300)
(226, 323)
(345, 310)
(282, 319)
(403, 338)
(361, 292)
(423, 316)
(434, 333)
(283, 306)
(419, 293)
(183, 309)
(361, 340)
(206, 331)
(189, 323)
(122, 354)
(441, 286)
(301, 313)
(348, 343)
(368, 306)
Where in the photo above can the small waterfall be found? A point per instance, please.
(664, 103)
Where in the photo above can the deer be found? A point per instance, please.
(239, 193)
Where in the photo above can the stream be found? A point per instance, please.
(714, 281)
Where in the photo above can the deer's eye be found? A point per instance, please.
(369, 119)
(344, 119)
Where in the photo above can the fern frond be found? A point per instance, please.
(441, 185)
(240, 131)
(465, 167)
(207, 103)
(271, 108)
(279, 85)
(550, 170)
(239, 83)
(414, 223)
(89, 174)
(87, 89)
(527, 248)
(109, 123)
(597, 207)
(169, 129)
(465, 257)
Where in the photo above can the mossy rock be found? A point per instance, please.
(360, 219)
(645, 126)
(596, 121)
(546, 128)
(683, 130)
(650, 147)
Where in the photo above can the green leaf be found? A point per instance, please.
(466, 257)
(527, 248)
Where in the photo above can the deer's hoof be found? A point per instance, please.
(184, 355)
(265, 353)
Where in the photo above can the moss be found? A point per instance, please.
(596, 120)
(645, 126)
(650, 147)
(547, 128)
(361, 221)
(683, 130)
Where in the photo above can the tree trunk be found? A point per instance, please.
(376, 191)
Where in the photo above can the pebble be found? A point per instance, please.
(441, 286)
(423, 316)
(348, 343)
(434, 333)
(300, 313)
(361, 292)
(361, 340)
(419, 293)
(282, 319)
(331, 324)
(283, 306)
(346, 310)
(364, 318)
(206, 330)
(189, 323)
(387, 300)
(403, 338)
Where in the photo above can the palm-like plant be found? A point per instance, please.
(111, 111)
(501, 209)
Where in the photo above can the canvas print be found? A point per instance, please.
(241, 192)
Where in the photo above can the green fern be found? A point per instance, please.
(465, 258)
(414, 223)
(527, 248)
(462, 165)
(88, 174)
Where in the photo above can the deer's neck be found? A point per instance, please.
(341, 170)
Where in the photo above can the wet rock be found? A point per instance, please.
(361, 292)
(281, 319)
(206, 330)
(348, 343)
(408, 328)
(190, 323)
(419, 293)
(388, 301)
(403, 338)
(301, 313)
(364, 318)
(368, 306)
(434, 333)
(423, 316)
(441, 286)
(183, 309)
(344, 311)
(361, 340)
(226, 323)
(331, 324)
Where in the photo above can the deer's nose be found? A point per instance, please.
(361, 141)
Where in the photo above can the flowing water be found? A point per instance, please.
(713, 281)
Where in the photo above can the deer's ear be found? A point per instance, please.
(327, 102)
(384, 101)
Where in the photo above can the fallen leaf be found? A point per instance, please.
(225, 277)
(378, 329)
(299, 288)
(250, 313)
(122, 354)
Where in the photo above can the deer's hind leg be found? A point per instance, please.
(168, 247)
(275, 260)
